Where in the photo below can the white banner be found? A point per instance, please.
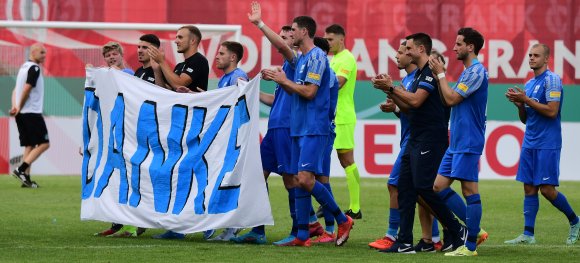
(184, 162)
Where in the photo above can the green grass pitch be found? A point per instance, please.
(43, 225)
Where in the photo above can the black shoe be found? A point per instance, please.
(33, 184)
(423, 246)
(400, 248)
(447, 241)
(22, 177)
(451, 243)
(140, 231)
(320, 212)
(460, 240)
(353, 215)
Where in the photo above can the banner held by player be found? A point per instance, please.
(159, 159)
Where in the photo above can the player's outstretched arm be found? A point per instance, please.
(255, 16)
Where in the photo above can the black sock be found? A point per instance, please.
(22, 168)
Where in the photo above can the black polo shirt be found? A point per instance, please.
(429, 122)
(145, 74)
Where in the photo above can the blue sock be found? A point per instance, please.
(292, 205)
(531, 207)
(303, 201)
(324, 198)
(435, 228)
(454, 202)
(328, 217)
(474, 212)
(312, 215)
(394, 219)
(260, 230)
(562, 204)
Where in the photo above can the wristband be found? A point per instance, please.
(441, 75)
(261, 24)
(397, 110)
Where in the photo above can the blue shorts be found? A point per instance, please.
(394, 176)
(308, 153)
(327, 155)
(460, 166)
(539, 167)
(275, 151)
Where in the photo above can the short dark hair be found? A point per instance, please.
(335, 29)
(471, 37)
(286, 28)
(306, 22)
(546, 48)
(234, 47)
(151, 39)
(422, 39)
(193, 30)
(438, 55)
(322, 44)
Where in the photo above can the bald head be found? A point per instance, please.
(37, 53)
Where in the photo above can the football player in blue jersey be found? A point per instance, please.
(276, 145)
(404, 63)
(227, 59)
(309, 127)
(539, 107)
(468, 102)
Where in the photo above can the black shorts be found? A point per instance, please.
(32, 129)
(423, 161)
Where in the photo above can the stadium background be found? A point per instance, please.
(374, 29)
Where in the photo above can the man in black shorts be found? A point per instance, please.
(190, 74)
(145, 72)
(428, 140)
(27, 105)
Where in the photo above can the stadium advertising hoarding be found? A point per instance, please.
(374, 29)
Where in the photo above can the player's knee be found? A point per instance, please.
(549, 192)
(393, 190)
(44, 146)
(322, 179)
(305, 181)
(530, 189)
(438, 188)
(290, 181)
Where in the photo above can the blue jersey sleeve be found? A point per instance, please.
(553, 88)
(470, 82)
(315, 68)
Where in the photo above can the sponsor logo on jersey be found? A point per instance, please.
(313, 76)
(555, 94)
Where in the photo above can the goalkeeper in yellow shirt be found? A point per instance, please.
(344, 65)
